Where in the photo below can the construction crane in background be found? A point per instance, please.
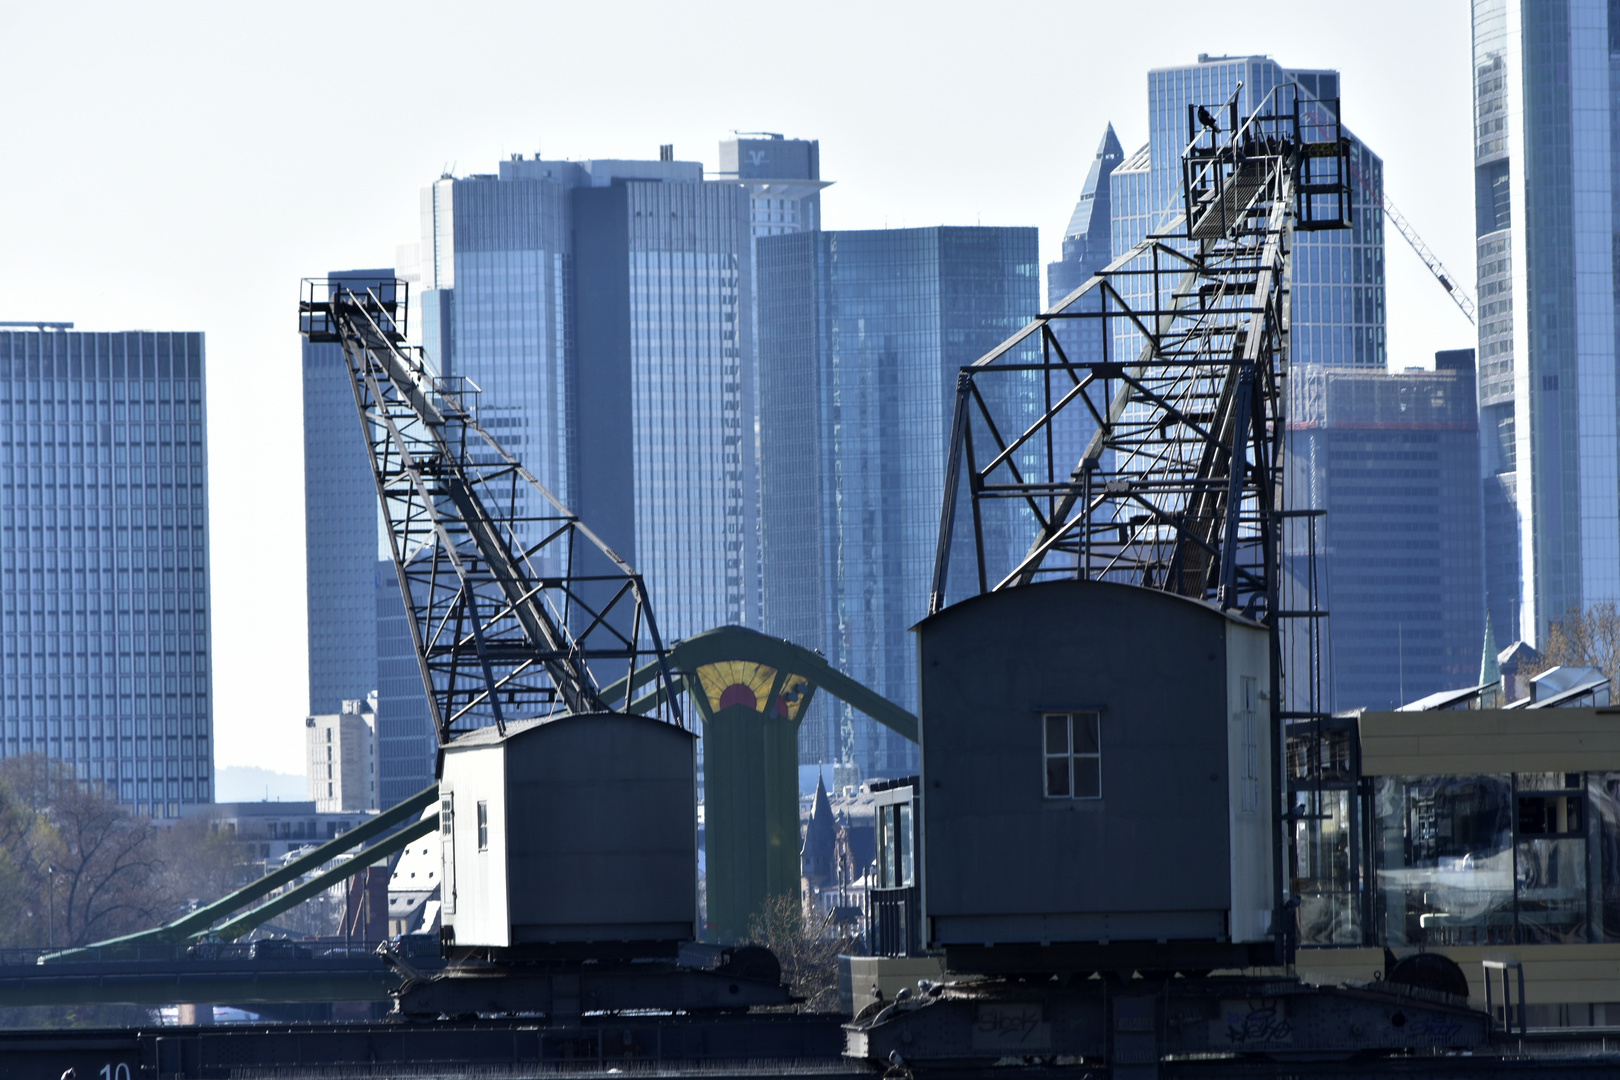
(1463, 298)
(1448, 281)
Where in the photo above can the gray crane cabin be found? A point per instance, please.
(1097, 781)
(576, 831)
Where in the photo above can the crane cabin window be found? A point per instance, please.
(1072, 755)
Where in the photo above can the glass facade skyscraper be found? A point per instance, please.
(1087, 248)
(1338, 275)
(1546, 156)
(407, 745)
(340, 529)
(104, 662)
(606, 310)
(359, 639)
(783, 180)
(1393, 459)
(1087, 239)
(861, 337)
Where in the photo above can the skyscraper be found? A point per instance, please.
(359, 639)
(605, 309)
(861, 337)
(1087, 239)
(1546, 162)
(1338, 275)
(104, 662)
(340, 528)
(1087, 248)
(782, 177)
(407, 745)
(1392, 458)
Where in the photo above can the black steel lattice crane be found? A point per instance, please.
(517, 610)
(1179, 375)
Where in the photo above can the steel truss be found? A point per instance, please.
(1179, 486)
(505, 628)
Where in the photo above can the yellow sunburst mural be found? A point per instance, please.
(731, 683)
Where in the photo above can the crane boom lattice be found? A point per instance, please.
(1175, 368)
(1447, 281)
(516, 608)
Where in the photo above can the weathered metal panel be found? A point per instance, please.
(1152, 858)
(1251, 803)
(601, 835)
(474, 779)
(751, 797)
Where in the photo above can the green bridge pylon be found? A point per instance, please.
(751, 690)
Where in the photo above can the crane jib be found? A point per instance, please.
(516, 609)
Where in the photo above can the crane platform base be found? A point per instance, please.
(1131, 1026)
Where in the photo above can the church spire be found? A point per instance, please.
(1489, 670)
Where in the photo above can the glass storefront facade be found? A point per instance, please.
(1439, 860)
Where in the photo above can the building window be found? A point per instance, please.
(1073, 756)
(483, 826)
(896, 863)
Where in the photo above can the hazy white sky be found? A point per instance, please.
(180, 166)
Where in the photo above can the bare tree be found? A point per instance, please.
(84, 860)
(806, 949)
(110, 867)
(70, 852)
(200, 863)
(1589, 638)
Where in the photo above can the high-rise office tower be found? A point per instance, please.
(1338, 275)
(1393, 459)
(1546, 162)
(359, 639)
(104, 662)
(340, 528)
(1087, 239)
(407, 745)
(861, 337)
(782, 177)
(605, 309)
(1087, 248)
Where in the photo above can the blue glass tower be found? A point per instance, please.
(606, 310)
(861, 337)
(104, 662)
(1546, 158)
(1087, 248)
(359, 640)
(1087, 239)
(1338, 275)
(340, 529)
(407, 745)
(1393, 459)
